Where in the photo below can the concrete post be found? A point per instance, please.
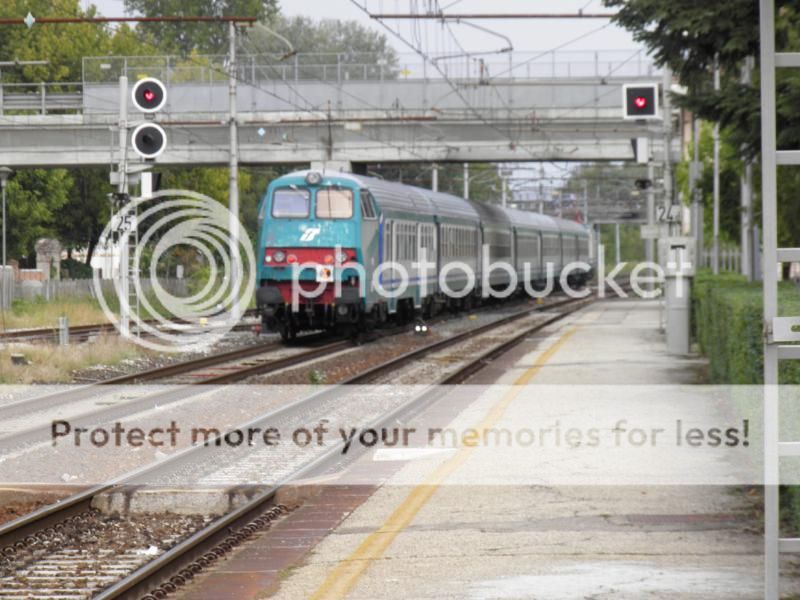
(466, 181)
(122, 188)
(233, 179)
(747, 194)
(715, 248)
(698, 218)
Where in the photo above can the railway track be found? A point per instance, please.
(84, 332)
(16, 430)
(44, 553)
(228, 367)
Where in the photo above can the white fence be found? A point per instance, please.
(71, 288)
(730, 258)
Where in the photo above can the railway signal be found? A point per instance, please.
(640, 101)
(149, 139)
(149, 95)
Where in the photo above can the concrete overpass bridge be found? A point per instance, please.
(547, 106)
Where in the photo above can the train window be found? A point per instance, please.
(288, 203)
(367, 206)
(334, 204)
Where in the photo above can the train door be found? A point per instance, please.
(479, 258)
(387, 275)
(370, 243)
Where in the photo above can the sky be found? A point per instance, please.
(524, 34)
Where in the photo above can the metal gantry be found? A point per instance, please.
(779, 331)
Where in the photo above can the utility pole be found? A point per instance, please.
(435, 178)
(122, 192)
(667, 121)
(466, 181)
(747, 194)
(586, 202)
(504, 193)
(715, 248)
(698, 219)
(233, 180)
(649, 244)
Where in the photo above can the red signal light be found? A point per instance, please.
(640, 102)
(149, 95)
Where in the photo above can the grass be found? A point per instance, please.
(56, 364)
(39, 313)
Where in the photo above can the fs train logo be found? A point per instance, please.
(309, 234)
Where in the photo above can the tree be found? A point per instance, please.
(86, 212)
(35, 199)
(205, 38)
(326, 40)
(687, 36)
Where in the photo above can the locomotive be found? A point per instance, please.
(343, 251)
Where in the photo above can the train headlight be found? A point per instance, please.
(313, 178)
(279, 255)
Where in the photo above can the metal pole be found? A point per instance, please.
(769, 210)
(435, 178)
(673, 228)
(4, 224)
(504, 193)
(699, 220)
(617, 249)
(715, 248)
(233, 180)
(466, 181)
(649, 244)
(747, 194)
(585, 202)
(122, 188)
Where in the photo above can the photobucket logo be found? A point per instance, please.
(149, 238)
(484, 277)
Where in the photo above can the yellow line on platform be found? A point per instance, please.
(343, 578)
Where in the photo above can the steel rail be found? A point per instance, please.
(181, 560)
(164, 398)
(24, 529)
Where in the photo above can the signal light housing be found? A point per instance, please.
(149, 140)
(149, 95)
(640, 101)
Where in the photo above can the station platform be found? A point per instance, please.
(456, 536)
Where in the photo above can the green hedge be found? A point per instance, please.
(726, 321)
(727, 324)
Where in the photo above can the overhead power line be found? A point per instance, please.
(165, 19)
(457, 16)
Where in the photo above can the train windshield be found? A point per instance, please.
(289, 203)
(334, 204)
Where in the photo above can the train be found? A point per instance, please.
(341, 251)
